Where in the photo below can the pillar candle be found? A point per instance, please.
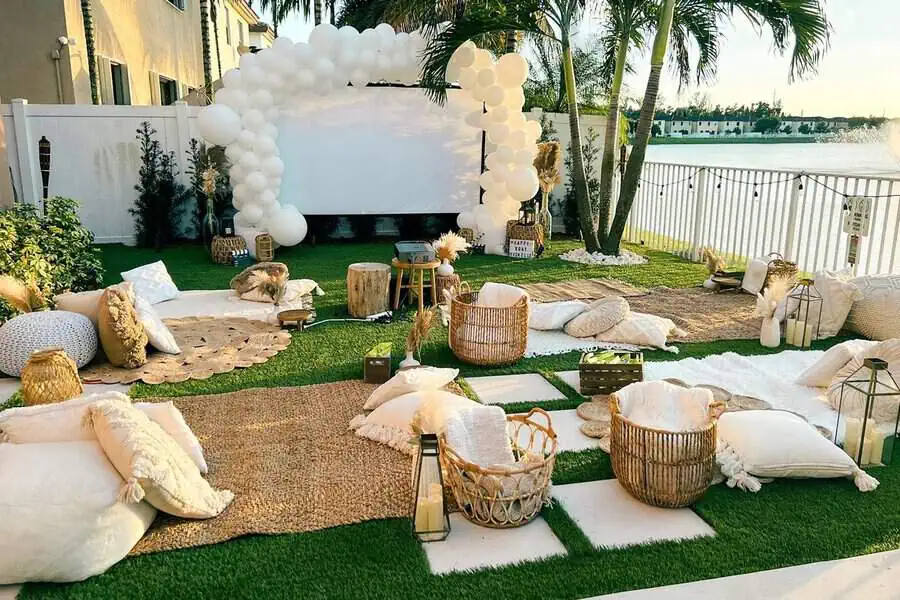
(852, 430)
(423, 514)
(877, 448)
(799, 328)
(789, 329)
(807, 336)
(867, 451)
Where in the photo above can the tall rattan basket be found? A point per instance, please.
(508, 495)
(662, 468)
(486, 335)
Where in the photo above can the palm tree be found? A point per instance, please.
(801, 21)
(88, 20)
(214, 16)
(204, 42)
(546, 85)
(307, 7)
(277, 12)
(554, 19)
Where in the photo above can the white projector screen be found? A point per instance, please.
(379, 150)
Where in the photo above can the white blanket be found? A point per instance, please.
(479, 435)
(546, 343)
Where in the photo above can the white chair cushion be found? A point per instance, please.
(60, 514)
(820, 373)
(550, 316)
(877, 314)
(152, 282)
(30, 332)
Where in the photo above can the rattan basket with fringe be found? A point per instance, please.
(50, 376)
(513, 495)
(486, 335)
(779, 267)
(222, 247)
(662, 468)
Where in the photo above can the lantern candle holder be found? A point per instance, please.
(430, 521)
(863, 442)
(802, 325)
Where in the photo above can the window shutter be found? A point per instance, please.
(104, 79)
(184, 90)
(154, 88)
(126, 83)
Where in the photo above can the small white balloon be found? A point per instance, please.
(483, 59)
(369, 39)
(252, 213)
(466, 220)
(261, 99)
(253, 77)
(533, 129)
(500, 114)
(492, 161)
(237, 173)
(485, 121)
(253, 120)
(250, 161)
(256, 181)
(271, 116)
(517, 140)
(453, 70)
(468, 78)
(325, 39)
(486, 77)
(246, 61)
(236, 98)
(494, 95)
(474, 119)
(347, 58)
(512, 70)
(359, 78)
(234, 152)
(264, 146)
(303, 53)
(273, 167)
(386, 32)
(515, 98)
(367, 58)
(348, 33)
(506, 155)
(305, 79)
(524, 157)
(267, 198)
(283, 44)
(498, 132)
(219, 124)
(232, 78)
(240, 192)
(464, 56)
(246, 139)
(324, 68)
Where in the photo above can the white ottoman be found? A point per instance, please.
(30, 332)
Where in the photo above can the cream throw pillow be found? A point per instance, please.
(885, 409)
(550, 316)
(47, 423)
(640, 329)
(172, 421)
(774, 443)
(820, 373)
(600, 316)
(838, 295)
(877, 314)
(153, 465)
(410, 380)
(83, 303)
(157, 333)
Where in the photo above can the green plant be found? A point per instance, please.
(200, 158)
(54, 251)
(161, 198)
(548, 130)
(591, 151)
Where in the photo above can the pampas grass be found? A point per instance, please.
(422, 324)
(450, 245)
(24, 298)
(547, 165)
(776, 291)
(714, 262)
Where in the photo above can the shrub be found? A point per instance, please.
(53, 251)
(590, 149)
(200, 158)
(161, 198)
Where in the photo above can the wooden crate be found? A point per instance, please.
(604, 378)
(377, 365)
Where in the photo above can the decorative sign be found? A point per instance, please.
(852, 249)
(521, 248)
(858, 216)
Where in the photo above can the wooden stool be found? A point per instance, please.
(412, 286)
(297, 316)
(368, 288)
(445, 282)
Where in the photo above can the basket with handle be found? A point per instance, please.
(503, 496)
(670, 469)
(487, 335)
(779, 267)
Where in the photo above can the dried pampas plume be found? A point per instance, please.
(209, 181)
(547, 165)
(776, 291)
(422, 324)
(450, 245)
(714, 262)
(22, 297)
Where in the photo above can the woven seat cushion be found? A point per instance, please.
(600, 316)
(877, 314)
(30, 332)
(121, 333)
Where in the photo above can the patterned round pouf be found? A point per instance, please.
(30, 332)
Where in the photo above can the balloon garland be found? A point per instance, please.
(244, 116)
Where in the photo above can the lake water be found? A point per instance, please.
(857, 159)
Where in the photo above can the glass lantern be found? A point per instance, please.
(527, 213)
(227, 228)
(805, 312)
(863, 442)
(429, 510)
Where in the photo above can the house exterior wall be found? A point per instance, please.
(234, 19)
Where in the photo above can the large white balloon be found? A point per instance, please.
(464, 56)
(287, 226)
(219, 124)
(512, 70)
(349, 34)
(466, 220)
(523, 183)
(325, 39)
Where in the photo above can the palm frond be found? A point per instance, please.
(694, 23)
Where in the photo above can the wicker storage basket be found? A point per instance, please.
(468, 234)
(223, 246)
(265, 248)
(485, 335)
(50, 376)
(662, 468)
(511, 496)
(778, 267)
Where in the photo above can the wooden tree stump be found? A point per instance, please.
(367, 288)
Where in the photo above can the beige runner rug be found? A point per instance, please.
(705, 315)
(580, 289)
(291, 463)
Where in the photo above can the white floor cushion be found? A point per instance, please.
(61, 520)
(877, 314)
(600, 316)
(59, 422)
(410, 380)
(774, 443)
(550, 316)
(823, 370)
(641, 329)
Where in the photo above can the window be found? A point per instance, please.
(168, 91)
(119, 75)
(227, 27)
(179, 4)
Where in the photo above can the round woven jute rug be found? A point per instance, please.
(210, 346)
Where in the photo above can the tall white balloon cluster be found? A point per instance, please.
(246, 110)
(510, 178)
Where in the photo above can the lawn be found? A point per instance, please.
(787, 523)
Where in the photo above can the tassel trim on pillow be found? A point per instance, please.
(4, 437)
(733, 470)
(397, 439)
(131, 492)
(863, 481)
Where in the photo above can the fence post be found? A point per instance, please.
(183, 129)
(699, 212)
(25, 152)
(793, 208)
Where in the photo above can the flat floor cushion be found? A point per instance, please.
(30, 332)
(550, 316)
(58, 422)
(600, 316)
(410, 380)
(60, 514)
(640, 329)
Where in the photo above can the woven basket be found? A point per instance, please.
(511, 496)
(658, 467)
(468, 234)
(222, 247)
(445, 282)
(778, 267)
(265, 248)
(485, 335)
(50, 376)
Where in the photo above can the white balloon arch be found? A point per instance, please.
(244, 118)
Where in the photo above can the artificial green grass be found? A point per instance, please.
(787, 523)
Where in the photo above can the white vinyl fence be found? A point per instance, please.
(95, 156)
(747, 213)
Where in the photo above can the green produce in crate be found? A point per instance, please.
(381, 350)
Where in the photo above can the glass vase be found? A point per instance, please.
(210, 225)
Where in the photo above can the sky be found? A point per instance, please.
(859, 75)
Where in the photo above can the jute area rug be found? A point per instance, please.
(705, 315)
(291, 463)
(580, 289)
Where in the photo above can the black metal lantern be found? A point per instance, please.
(862, 441)
(527, 213)
(805, 313)
(227, 221)
(429, 510)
